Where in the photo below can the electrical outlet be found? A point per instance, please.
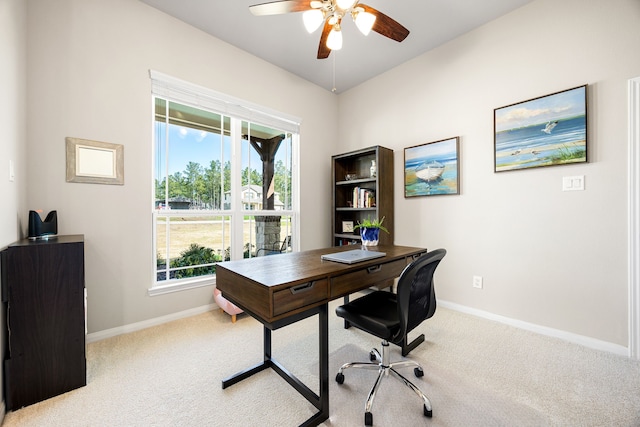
(477, 282)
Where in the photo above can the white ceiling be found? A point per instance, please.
(283, 41)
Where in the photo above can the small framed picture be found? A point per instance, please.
(347, 226)
(432, 169)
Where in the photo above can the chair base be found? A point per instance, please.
(380, 362)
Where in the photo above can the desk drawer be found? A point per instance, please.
(351, 282)
(299, 296)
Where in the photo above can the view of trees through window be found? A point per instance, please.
(197, 210)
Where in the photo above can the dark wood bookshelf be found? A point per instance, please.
(377, 201)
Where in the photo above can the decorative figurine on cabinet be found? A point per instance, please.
(46, 229)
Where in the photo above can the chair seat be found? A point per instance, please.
(376, 313)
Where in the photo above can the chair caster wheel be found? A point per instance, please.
(418, 371)
(372, 356)
(368, 419)
(427, 412)
(340, 378)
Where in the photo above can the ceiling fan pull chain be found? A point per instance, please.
(334, 74)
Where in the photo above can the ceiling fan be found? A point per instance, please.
(331, 12)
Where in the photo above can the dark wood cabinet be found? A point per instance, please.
(358, 194)
(43, 289)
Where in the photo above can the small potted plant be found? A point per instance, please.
(370, 231)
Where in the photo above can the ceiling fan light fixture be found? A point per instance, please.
(364, 21)
(312, 19)
(328, 14)
(334, 40)
(345, 4)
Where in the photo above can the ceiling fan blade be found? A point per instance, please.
(323, 50)
(386, 26)
(279, 7)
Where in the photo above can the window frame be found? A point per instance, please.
(177, 91)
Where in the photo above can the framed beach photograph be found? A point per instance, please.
(432, 169)
(549, 130)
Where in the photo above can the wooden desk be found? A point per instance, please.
(282, 289)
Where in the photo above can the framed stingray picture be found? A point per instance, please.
(550, 130)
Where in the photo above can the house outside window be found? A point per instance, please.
(218, 181)
(252, 198)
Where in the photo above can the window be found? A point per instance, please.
(224, 184)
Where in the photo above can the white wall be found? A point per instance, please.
(552, 258)
(12, 122)
(548, 257)
(88, 77)
(12, 119)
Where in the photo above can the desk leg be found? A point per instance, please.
(267, 344)
(268, 363)
(324, 361)
(321, 402)
(323, 345)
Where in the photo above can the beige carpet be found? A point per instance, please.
(477, 373)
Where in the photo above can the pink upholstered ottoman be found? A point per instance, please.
(225, 305)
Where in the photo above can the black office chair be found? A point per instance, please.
(390, 316)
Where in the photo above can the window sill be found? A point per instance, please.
(181, 285)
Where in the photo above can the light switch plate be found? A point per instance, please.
(573, 183)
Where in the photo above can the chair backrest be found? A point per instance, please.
(416, 293)
(286, 243)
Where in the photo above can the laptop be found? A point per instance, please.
(353, 256)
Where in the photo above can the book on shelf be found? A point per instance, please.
(347, 242)
(363, 198)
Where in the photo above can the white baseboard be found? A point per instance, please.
(542, 330)
(108, 333)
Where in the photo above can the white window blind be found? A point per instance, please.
(178, 90)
